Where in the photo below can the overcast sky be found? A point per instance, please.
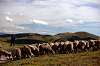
(49, 16)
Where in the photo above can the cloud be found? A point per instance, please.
(69, 20)
(92, 1)
(54, 11)
(39, 22)
(20, 27)
(68, 14)
(9, 19)
(11, 28)
(8, 25)
(88, 13)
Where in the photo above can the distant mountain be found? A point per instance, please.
(76, 36)
(1, 33)
(30, 38)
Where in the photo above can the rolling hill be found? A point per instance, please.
(30, 38)
(76, 36)
(1, 33)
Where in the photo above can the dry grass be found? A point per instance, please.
(91, 58)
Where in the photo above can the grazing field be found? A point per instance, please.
(91, 58)
(79, 59)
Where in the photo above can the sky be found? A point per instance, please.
(49, 16)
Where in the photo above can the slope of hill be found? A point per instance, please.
(76, 36)
(30, 38)
(78, 59)
(1, 33)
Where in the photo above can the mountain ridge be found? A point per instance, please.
(38, 38)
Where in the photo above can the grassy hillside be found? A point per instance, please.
(31, 38)
(79, 59)
(76, 35)
(91, 58)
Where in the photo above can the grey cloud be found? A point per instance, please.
(55, 12)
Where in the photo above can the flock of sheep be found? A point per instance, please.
(51, 48)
